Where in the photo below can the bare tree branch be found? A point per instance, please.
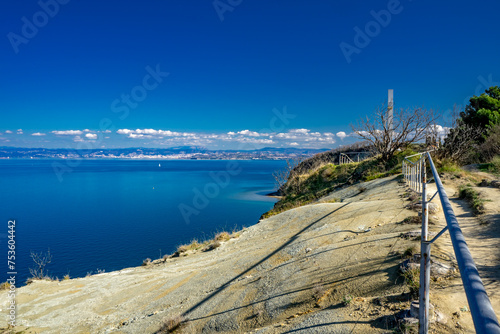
(409, 126)
(41, 261)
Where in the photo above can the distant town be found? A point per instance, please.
(183, 152)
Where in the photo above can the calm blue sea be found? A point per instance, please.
(112, 214)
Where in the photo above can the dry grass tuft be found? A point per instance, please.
(212, 245)
(5, 286)
(222, 236)
(194, 245)
(172, 324)
(412, 220)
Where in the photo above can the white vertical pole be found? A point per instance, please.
(419, 167)
(390, 112)
(425, 263)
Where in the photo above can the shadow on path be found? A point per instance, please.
(292, 239)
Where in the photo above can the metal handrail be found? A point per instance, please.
(483, 315)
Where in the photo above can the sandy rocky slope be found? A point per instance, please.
(329, 267)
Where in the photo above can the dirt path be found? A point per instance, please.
(483, 238)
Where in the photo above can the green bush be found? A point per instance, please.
(315, 183)
(472, 197)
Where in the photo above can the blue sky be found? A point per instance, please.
(219, 73)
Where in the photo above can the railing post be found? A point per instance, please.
(414, 176)
(425, 259)
(411, 176)
(419, 167)
(404, 171)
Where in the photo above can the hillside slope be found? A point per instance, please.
(321, 268)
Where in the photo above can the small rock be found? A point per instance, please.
(440, 317)
(308, 250)
(495, 184)
(484, 183)
(414, 309)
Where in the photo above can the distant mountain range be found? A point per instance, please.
(181, 152)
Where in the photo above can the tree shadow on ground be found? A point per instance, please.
(228, 283)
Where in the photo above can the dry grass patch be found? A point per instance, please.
(222, 236)
(193, 246)
(412, 220)
(172, 324)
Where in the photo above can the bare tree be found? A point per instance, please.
(41, 261)
(289, 172)
(491, 146)
(461, 142)
(407, 126)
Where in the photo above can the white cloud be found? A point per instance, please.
(68, 132)
(8, 131)
(19, 131)
(77, 139)
(148, 133)
(37, 134)
(91, 136)
(86, 130)
(249, 133)
(106, 131)
(254, 140)
(341, 135)
(303, 131)
(298, 137)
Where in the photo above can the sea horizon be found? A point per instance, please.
(110, 214)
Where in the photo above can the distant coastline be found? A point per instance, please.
(174, 153)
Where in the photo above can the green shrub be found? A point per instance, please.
(493, 166)
(322, 179)
(472, 197)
